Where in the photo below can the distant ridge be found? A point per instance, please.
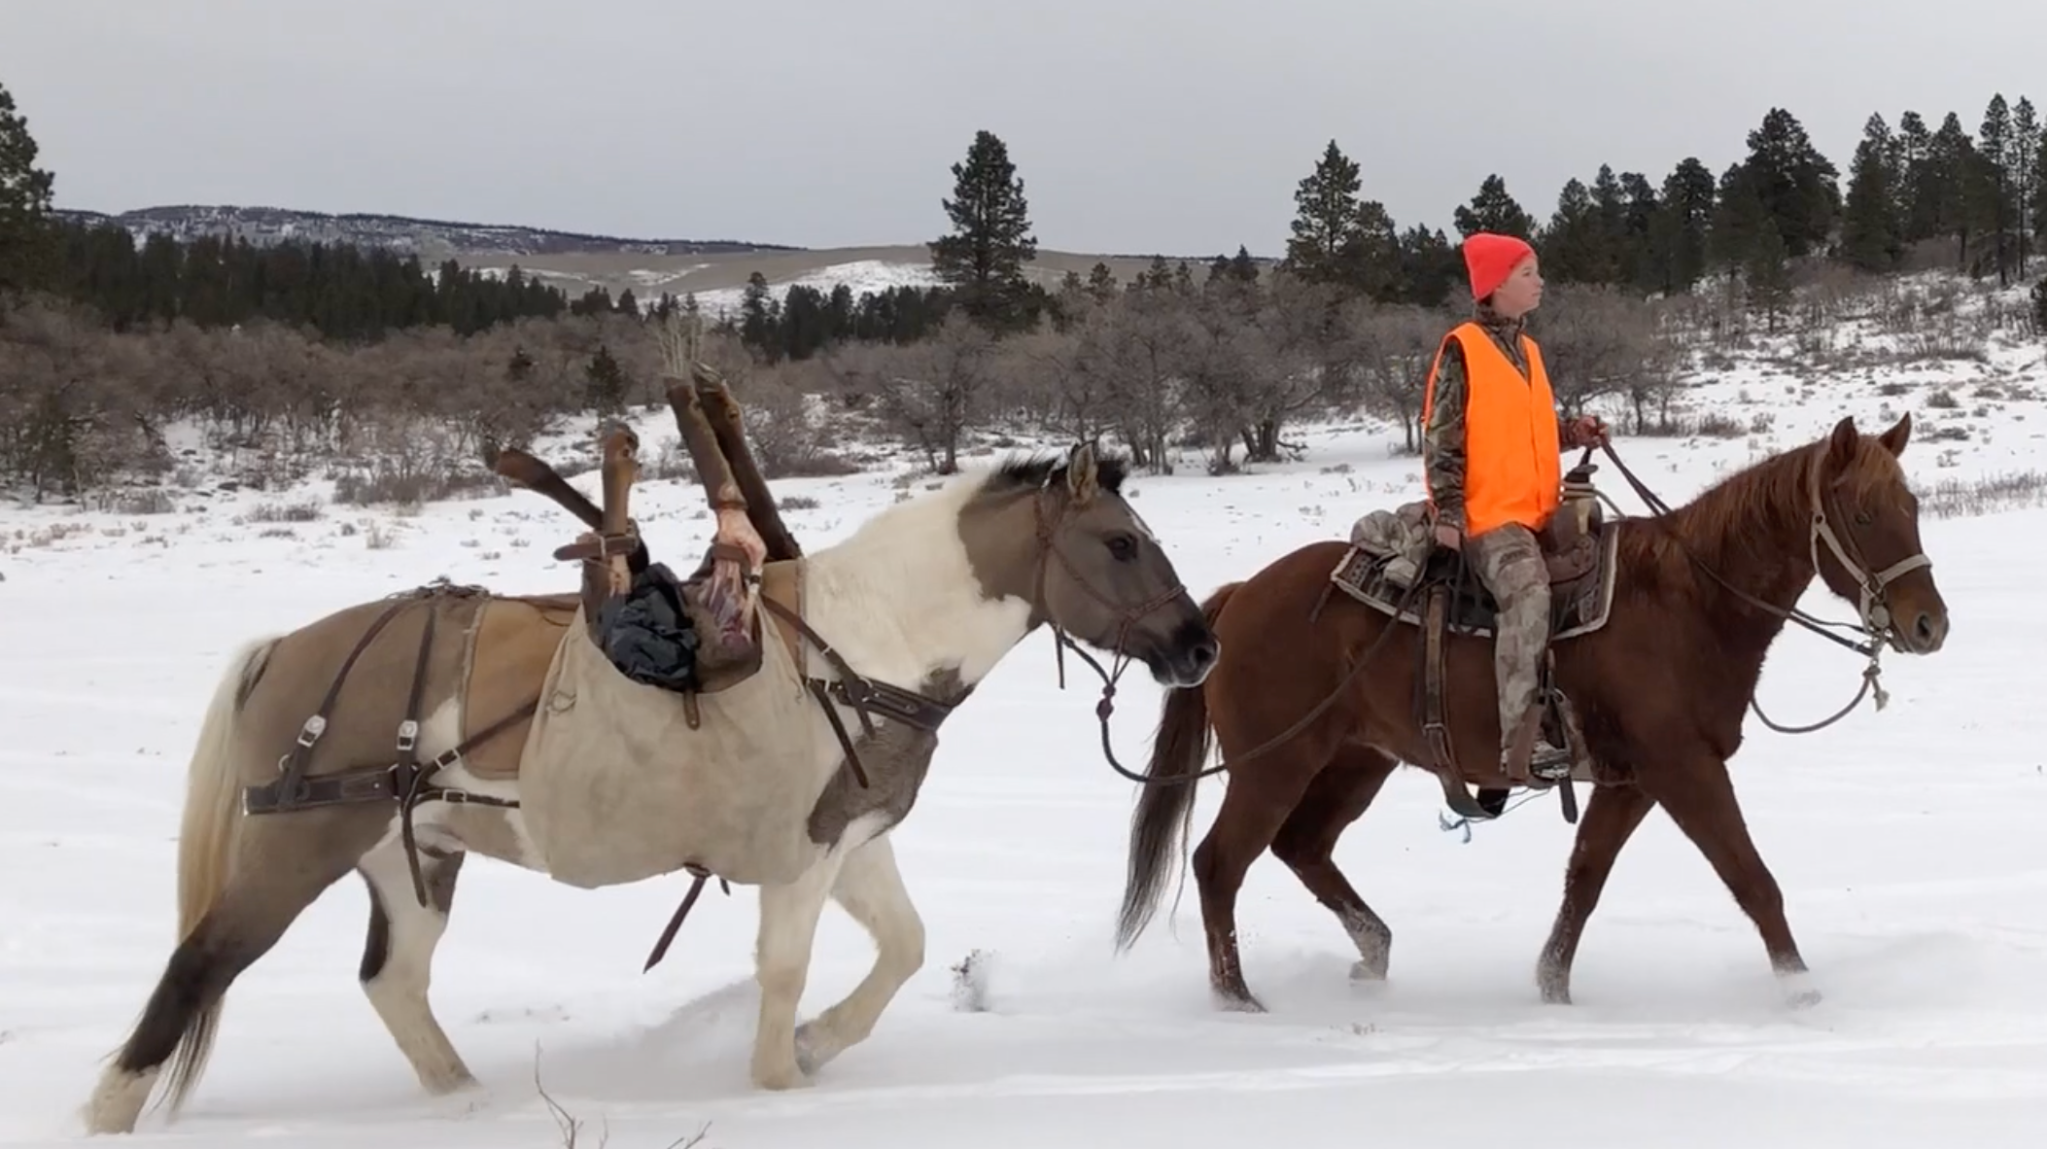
(430, 238)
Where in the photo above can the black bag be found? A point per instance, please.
(647, 636)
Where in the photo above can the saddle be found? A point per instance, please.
(1441, 596)
(1579, 549)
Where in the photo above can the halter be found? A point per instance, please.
(1875, 612)
(1047, 531)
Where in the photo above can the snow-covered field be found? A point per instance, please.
(1907, 843)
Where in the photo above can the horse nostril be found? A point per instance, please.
(1205, 653)
(1925, 629)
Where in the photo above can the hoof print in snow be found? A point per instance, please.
(970, 983)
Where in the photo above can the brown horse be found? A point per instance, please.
(1700, 594)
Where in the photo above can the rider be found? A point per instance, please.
(1491, 443)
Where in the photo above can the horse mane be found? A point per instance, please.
(1734, 520)
(1021, 472)
(937, 510)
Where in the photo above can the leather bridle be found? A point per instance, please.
(1047, 531)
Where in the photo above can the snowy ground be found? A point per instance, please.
(1905, 842)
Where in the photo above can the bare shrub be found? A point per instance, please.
(1599, 342)
(304, 511)
(409, 463)
(139, 501)
(1963, 498)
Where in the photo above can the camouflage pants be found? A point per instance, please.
(1508, 561)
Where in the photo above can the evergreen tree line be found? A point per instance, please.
(338, 290)
(308, 349)
(1914, 197)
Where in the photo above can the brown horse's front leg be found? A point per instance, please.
(1699, 796)
(1611, 815)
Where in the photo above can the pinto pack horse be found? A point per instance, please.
(922, 601)
(1699, 594)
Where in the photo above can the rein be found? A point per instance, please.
(1106, 708)
(1876, 622)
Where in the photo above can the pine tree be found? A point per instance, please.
(1243, 269)
(1430, 266)
(1572, 248)
(1610, 206)
(759, 318)
(1326, 213)
(1914, 143)
(1739, 220)
(984, 256)
(1101, 282)
(1679, 247)
(1871, 235)
(1795, 182)
(27, 244)
(1638, 225)
(1952, 170)
(1492, 209)
(2022, 165)
(2040, 187)
(1769, 277)
(605, 383)
(1992, 187)
(1339, 238)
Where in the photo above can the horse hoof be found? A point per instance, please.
(461, 1102)
(1367, 972)
(781, 1079)
(1555, 986)
(813, 1049)
(1800, 992)
(1239, 1003)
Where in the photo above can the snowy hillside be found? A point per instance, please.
(1902, 841)
(431, 237)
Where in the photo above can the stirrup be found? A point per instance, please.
(1549, 761)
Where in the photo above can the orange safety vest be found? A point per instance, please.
(1513, 469)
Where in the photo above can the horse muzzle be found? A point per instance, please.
(1186, 658)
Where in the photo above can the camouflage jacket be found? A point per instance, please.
(1443, 461)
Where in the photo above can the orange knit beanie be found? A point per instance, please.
(1490, 258)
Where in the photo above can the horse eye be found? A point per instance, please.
(1122, 547)
(1864, 518)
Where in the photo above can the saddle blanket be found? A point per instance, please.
(1400, 539)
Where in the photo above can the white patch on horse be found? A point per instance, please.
(398, 991)
(117, 1100)
(788, 931)
(900, 598)
(438, 734)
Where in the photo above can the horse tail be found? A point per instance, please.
(207, 833)
(1166, 804)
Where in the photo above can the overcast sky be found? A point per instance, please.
(1137, 125)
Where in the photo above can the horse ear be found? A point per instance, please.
(1842, 445)
(1894, 440)
(1082, 477)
